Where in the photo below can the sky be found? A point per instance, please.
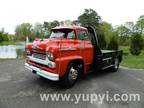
(116, 12)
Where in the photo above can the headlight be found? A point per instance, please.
(50, 56)
(51, 64)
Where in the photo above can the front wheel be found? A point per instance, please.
(71, 76)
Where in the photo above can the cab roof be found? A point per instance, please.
(70, 27)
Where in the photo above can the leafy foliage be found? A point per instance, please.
(124, 34)
(140, 25)
(3, 36)
(37, 31)
(113, 44)
(23, 30)
(101, 40)
(107, 29)
(136, 44)
(89, 18)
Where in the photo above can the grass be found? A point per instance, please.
(132, 61)
(9, 42)
(125, 49)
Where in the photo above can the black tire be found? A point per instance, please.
(71, 76)
(116, 65)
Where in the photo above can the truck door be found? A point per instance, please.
(87, 48)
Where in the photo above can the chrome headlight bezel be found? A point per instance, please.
(50, 56)
(28, 52)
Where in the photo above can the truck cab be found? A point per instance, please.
(68, 53)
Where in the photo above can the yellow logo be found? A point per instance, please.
(37, 47)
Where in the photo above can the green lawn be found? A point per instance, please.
(132, 61)
(9, 42)
(125, 49)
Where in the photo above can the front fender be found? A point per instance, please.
(64, 62)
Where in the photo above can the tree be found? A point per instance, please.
(130, 26)
(46, 28)
(102, 40)
(136, 44)
(3, 36)
(124, 33)
(89, 18)
(113, 44)
(23, 30)
(123, 30)
(108, 38)
(107, 30)
(49, 25)
(45, 25)
(75, 22)
(38, 30)
(54, 24)
(140, 24)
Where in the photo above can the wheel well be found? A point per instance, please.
(80, 63)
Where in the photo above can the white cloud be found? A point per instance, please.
(14, 12)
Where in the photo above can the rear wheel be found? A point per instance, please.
(116, 65)
(71, 76)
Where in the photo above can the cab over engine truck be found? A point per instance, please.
(68, 53)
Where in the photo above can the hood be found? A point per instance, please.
(45, 44)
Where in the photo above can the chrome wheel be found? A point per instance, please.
(73, 74)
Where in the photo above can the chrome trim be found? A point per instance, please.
(107, 67)
(68, 49)
(43, 73)
(107, 58)
(44, 62)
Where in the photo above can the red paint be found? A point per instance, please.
(78, 49)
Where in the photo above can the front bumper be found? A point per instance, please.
(43, 73)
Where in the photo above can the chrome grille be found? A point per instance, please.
(39, 56)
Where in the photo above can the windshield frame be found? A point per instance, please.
(65, 32)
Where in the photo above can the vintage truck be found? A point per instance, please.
(68, 53)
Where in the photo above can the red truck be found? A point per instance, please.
(68, 53)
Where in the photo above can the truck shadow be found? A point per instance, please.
(84, 81)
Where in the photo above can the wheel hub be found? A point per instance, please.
(73, 74)
(116, 63)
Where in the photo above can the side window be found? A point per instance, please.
(80, 35)
(71, 35)
(83, 35)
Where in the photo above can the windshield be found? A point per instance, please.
(62, 33)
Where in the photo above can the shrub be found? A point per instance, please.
(136, 44)
(3, 36)
(101, 40)
(113, 44)
(124, 40)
